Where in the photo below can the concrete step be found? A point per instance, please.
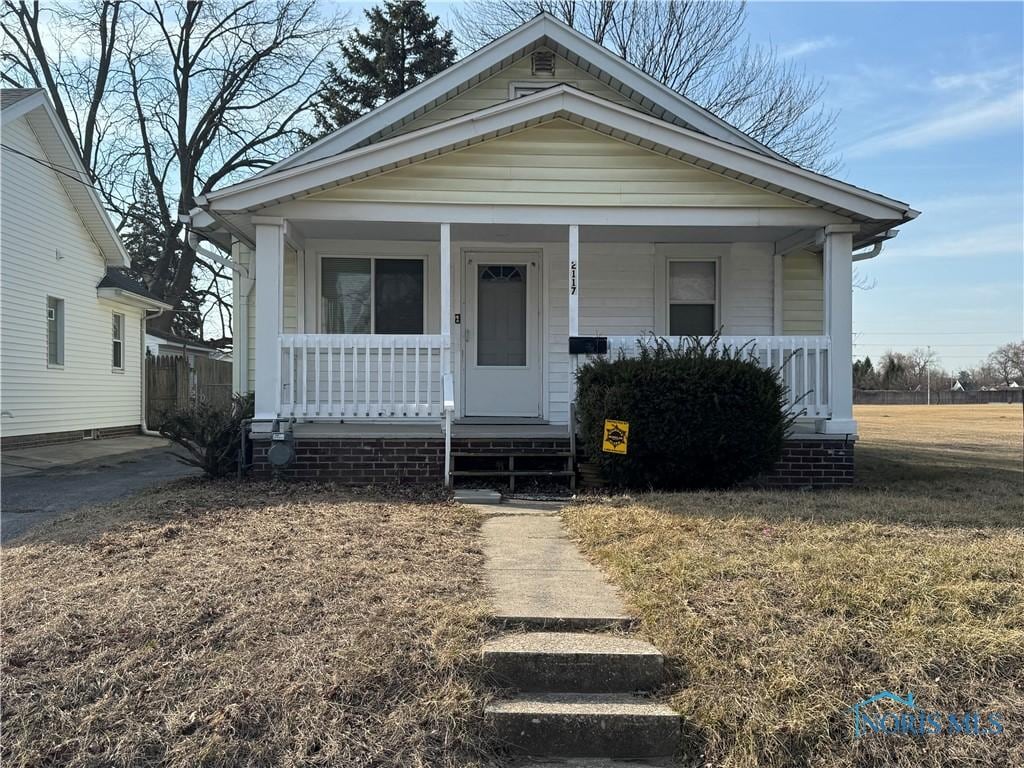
(605, 725)
(477, 496)
(573, 661)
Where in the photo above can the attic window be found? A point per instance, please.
(543, 63)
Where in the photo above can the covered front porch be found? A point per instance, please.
(476, 328)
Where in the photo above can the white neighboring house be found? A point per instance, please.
(437, 269)
(167, 344)
(72, 319)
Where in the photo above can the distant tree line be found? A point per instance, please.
(909, 371)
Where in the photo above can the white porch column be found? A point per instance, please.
(446, 291)
(574, 280)
(574, 309)
(269, 263)
(838, 274)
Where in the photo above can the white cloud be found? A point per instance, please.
(804, 47)
(966, 120)
(995, 240)
(985, 81)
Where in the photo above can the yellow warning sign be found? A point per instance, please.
(616, 436)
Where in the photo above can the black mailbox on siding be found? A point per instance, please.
(588, 345)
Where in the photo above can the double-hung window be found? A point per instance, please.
(692, 298)
(54, 331)
(117, 354)
(371, 295)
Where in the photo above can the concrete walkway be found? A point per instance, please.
(568, 692)
(537, 576)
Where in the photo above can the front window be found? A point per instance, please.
(54, 331)
(692, 298)
(117, 335)
(363, 295)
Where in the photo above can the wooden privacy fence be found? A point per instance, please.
(174, 381)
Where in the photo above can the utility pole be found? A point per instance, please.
(928, 375)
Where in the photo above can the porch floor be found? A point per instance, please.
(475, 428)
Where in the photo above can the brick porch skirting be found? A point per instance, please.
(388, 460)
(56, 438)
(807, 462)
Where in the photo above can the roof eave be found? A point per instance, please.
(562, 98)
(127, 297)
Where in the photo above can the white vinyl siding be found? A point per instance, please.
(622, 292)
(556, 163)
(803, 306)
(497, 88)
(46, 251)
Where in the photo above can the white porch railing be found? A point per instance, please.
(354, 376)
(802, 362)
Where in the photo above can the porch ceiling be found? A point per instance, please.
(539, 233)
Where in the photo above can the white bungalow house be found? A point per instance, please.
(72, 319)
(424, 281)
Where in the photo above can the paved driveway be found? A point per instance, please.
(41, 484)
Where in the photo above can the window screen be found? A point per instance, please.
(345, 294)
(692, 294)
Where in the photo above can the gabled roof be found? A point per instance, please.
(34, 106)
(565, 102)
(544, 30)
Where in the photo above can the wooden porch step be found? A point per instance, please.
(512, 473)
(506, 452)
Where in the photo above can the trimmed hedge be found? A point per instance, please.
(700, 415)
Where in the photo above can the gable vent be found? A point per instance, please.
(543, 63)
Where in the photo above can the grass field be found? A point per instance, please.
(212, 624)
(780, 610)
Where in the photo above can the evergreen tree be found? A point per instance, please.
(402, 47)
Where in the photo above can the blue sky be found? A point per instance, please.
(931, 100)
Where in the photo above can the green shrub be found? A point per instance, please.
(210, 433)
(700, 415)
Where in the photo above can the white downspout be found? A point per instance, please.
(143, 426)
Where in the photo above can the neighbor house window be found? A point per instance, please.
(692, 298)
(371, 295)
(117, 359)
(54, 331)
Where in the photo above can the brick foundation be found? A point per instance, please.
(383, 461)
(806, 462)
(812, 463)
(72, 436)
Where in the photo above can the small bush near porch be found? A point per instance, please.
(701, 415)
(778, 611)
(218, 624)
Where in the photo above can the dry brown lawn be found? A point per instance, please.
(214, 624)
(779, 610)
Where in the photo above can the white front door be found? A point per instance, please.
(501, 335)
